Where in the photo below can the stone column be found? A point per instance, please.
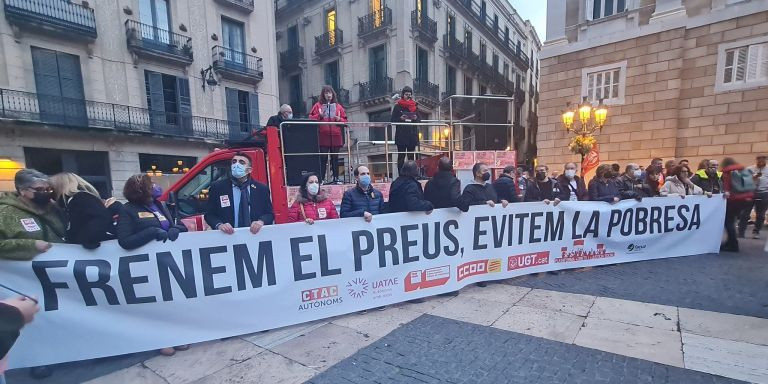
(666, 9)
(556, 23)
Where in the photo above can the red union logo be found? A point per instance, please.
(427, 278)
(479, 267)
(527, 260)
(319, 293)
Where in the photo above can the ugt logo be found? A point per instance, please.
(357, 287)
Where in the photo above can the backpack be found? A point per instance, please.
(742, 181)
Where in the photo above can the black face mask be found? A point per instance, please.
(42, 198)
(486, 176)
(541, 175)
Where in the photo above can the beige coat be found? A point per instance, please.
(675, 187)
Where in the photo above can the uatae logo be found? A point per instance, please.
(357, 287)
(635, 248)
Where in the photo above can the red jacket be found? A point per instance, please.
(321, 206)
(743, 196)
(328, 135)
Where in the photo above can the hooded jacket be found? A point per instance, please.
(708, 184)
(405, 195)
(743, 196)
(320, 208)
(22, 224)
(675, 187)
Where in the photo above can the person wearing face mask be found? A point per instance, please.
(89, 220)
(240, 201)
(311, 203)
(543, 188)
(522, 183)
(709, 179)
(406, 136)
(363, 200)
(329, 136)
(480, 191)
(29, 220)
(632, 185)
(505, 185)
(405, 193)
(285, 114)
(678, 183)
(603, 187)
(572, 187)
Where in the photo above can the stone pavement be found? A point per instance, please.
(627, 325)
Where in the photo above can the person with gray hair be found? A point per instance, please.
(632, 185)
(285, 113)
(29, 220)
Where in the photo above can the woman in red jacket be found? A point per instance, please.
(311, 203)
(329, 135)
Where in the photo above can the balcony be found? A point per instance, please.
(519, 95)
(329, 43)
(242, 5)
(424, 28)
(341, 94)
(376, 91)
(93, 115)
(460, 106)
(292, 58)
(289, 7)
(57, 16)
(155, 43)
(426, 93)
(374, 25)
(237, 65)
(454, 48)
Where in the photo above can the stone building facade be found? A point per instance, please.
(682, 78)
(111, 89)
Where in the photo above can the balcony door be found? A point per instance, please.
(59, 83)
(233, 39)
(422, 65)
(169, 104)
(330, 26)
(377, 8)
(421, 9)
(377, 68)
(242, 113)
(293, 36)
(332, 75)
(156, 17)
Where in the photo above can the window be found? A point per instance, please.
(606, 82)
(597, 9)
(233, 40)
(495, 61)
(296, 96)
(59, 85)
(483, 51)
(193, 195)
(330, 26)
(742, 64)
(377, 69)
(421, 9)
(332, 74)
(469, 85)
(165, 163)
(422, 64)
(293, 36)
(376, 133)
(168, 102)
(506, 70)
(451, 24)
(468, 38)
(450, 80)
(377, 8)
(156, 14)
(93, 166)
(242, 112)
(483, 90)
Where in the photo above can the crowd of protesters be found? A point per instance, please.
(65, 208)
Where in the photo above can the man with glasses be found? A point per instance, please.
(709, 179)
(239, 201)
(29, 220)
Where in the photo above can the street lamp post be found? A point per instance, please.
(590, 120)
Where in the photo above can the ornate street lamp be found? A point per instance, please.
(591, 120)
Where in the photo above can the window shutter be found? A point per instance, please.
(233, 113)
(253, 112)
(763, 67)
(155, 100)
(71, 81)
(185, 106)
(46, 71)
(753, 60)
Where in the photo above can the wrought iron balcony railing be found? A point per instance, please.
(158, 43)
(376, 88)
(60, 16)
(474, 9)
(237, 65)
(425, 27)
(243, 5)
(373, 22)
(78, 113)
(329, 41)
(291, 58)
(422, 87)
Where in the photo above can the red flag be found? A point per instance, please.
(591, 160)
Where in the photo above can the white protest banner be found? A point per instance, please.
(208, 285)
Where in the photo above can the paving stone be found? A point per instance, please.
(502, 293)
(202, 359)
(633, 312)
(324, 346)
(726, 358)
(553, 325)
(429, 304)
(280, 335)
(377, 323)
(472, 310)
(724, 326)
(558, 301)
(651, 344)
(432, 349)
(266, 367)
(136, 374)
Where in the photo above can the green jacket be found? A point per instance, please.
(22, 224)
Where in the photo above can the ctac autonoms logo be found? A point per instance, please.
(636, 248)
(357, 288)
(319, 297)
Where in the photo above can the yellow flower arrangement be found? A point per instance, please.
(582, 144)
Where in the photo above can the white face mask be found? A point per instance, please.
(570, 173)
(637, 173)
(289, 116)
(313, 188)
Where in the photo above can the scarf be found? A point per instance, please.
(409, 105)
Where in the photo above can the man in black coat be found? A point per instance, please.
(406, 136)
(480, 191)
(505, 185)
(285, 113)
(239, 202)
(444, 189)
(543, 188)
(405, 194)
